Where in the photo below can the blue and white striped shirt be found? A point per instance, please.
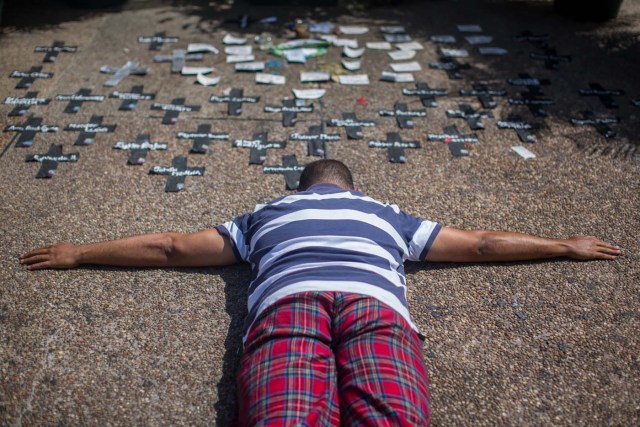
(328, 239)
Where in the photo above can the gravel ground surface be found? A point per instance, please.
(539, 343)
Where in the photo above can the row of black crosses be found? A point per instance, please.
(316, 138)
(552, 61)
(460, 145)
(533, 98)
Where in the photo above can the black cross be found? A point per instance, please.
(427, 95)
(173, 110)
(459, 145)
(130, 99)
(605, 95)
(532, 98)
(28, 130)
(49, 161)
(177, 173)
(88, 130)
(522, 128)
(291, 170)
(139, 148)
(178, 58)
(157, 40)
(77, 99)
(534, 84)
(235, 99)
(600, 123)
(289, 111)
(259, 146)
(535, 39)
(316, 140)
(130, 68)
(451, 66)
(28, 77)
(53, 50)
(484, 94)
(473, 117)
(352, 124)
(395, 147)
(403, 115)
(550, 57)
(201, 138)
(22, 105)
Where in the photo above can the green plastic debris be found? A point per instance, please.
(312, 47)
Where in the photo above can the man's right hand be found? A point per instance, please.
(589, 247)
(61, 255)
(454, 245)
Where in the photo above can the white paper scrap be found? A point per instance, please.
(354, 79)
(329, 38)
(454, 53)
(397, 38)
(352, 53)
(250, 66)
(270, 79)
(201, 47)
(410, 46)
(232, 59)
(379, 45)
(479, 39)
(193, 71)
(470, 28)
(351, 65)
(397, 77)
(321, 27)
(443, 38)
(404, 67)
(238, 50)
(352, 43)
(523, 152)
(314, 76)
(353, 30)
(401, 55)
(295, 56)
(491, 50)
(309, 93)
(393, 29)
(207, 81)
(229, 39)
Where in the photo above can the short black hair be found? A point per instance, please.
(326, 171)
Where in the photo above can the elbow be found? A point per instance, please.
(484, 246)
(166, 246)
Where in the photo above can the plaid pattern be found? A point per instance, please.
(329, 359)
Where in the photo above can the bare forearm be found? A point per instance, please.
(200, 249)
(149, 250)
(506, 246)
(453, 245)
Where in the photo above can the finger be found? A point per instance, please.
(38, 251)
(611, 249)
(39, 266)
(605, 256)
(35, 259)
(608, 249)
(608, 246)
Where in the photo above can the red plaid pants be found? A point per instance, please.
(330, 359)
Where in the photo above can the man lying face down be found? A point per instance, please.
(328, 338)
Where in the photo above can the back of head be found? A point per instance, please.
(326, 171)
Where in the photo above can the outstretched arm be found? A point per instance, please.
(478, 246)
(201, 249)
